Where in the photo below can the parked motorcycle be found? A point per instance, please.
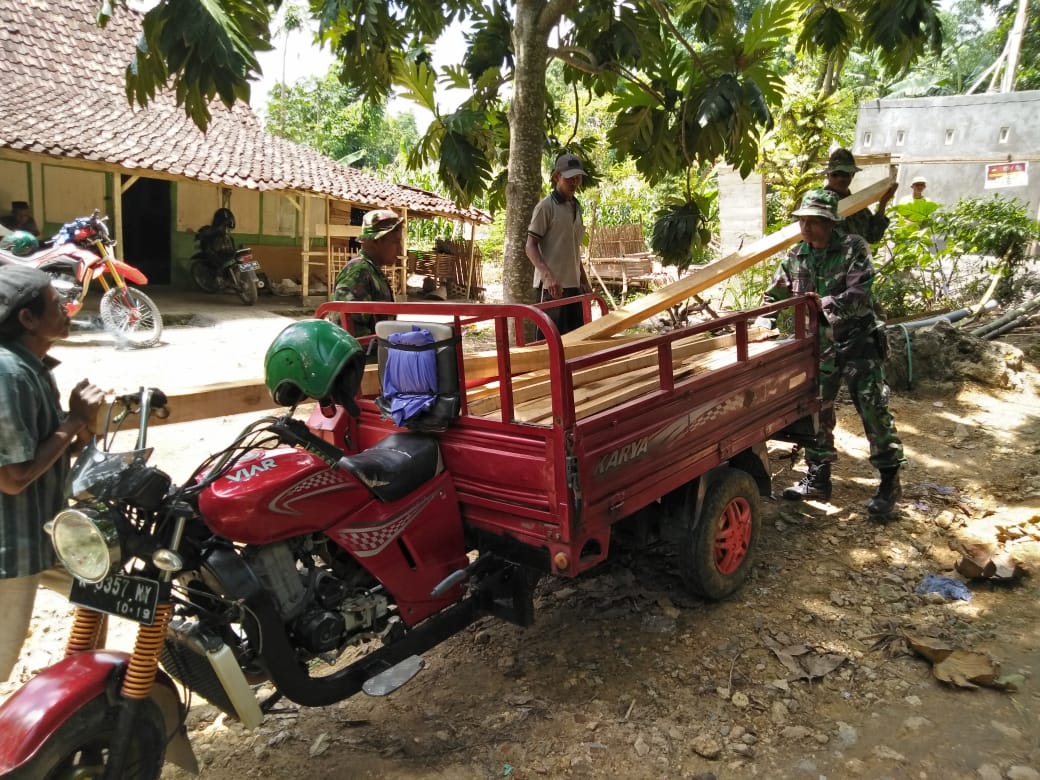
(220, 265)
(281, 560)
(81, 252)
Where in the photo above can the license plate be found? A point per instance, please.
(248, 265)
(133, 598)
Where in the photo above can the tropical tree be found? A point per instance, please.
(329, 116)
(693, 81)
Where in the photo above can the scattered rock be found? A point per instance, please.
(706, 746)
(1019, 772)
(795, 732)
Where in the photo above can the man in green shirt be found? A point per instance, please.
(839, 173)
(363, 278)
(837, 267)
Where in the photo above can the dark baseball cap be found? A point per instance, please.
(19, 285)
(842, 160)
(568, 166)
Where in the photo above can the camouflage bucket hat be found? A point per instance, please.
(842, 160)
(819, 203)
(379, 223)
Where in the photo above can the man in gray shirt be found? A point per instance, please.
(554, 244)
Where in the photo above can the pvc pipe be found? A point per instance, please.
(952, 316)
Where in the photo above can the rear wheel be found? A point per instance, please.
(132, 316)
(203, 275)
(245, 286)
(81, 747)
(717, 549)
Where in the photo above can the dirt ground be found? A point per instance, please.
(626, 675)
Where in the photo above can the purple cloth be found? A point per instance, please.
(410, 376)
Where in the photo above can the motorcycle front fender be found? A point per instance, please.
(130, 273)
(40, 707)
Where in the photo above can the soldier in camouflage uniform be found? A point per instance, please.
(382, 242)
(836, 266)
(841, 168)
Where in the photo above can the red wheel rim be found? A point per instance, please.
(734, 536)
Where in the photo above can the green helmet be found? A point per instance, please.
(20, 242)
(314, 359)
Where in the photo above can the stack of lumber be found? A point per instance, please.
(608, 384)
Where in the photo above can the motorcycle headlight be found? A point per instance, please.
(87, 545)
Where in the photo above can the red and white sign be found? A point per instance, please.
(1009, 174)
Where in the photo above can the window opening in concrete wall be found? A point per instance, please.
(1005, 132)
(900, 137)
(949, 137)
(867, 138)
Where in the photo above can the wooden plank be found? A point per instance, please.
(537, 385)
(711, 274)
(339, 231)
(608, 393)
(205, 401)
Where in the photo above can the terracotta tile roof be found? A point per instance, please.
(63, 95)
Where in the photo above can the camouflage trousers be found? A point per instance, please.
(865, 377)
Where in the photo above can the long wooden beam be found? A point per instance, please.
(711, 274)
(205, 401)
(605, 394)
(537, 385)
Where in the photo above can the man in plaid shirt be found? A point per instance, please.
(36, 442)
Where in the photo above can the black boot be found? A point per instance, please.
(889, 491)
(815, 484)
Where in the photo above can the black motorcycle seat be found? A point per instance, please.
(397, 465)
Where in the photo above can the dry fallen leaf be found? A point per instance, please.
(967, 669)
(803, 662)
(932, 648)
(963, 668)
(1000, 566)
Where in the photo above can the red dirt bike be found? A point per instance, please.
(80, 253)
(268, 566)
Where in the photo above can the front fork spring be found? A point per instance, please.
(89, 631)
(144, 662)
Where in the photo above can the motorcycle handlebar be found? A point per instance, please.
(131, 402)
(296, 433)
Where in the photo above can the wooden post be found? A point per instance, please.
(472, 259)
(305, 248)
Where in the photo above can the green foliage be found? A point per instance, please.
(422, 233)
(330, 117)
(997, 228)
(916, 267)
(679, 228)
(896, 32)
(809, 127)
(929, 250)
(206, 48)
